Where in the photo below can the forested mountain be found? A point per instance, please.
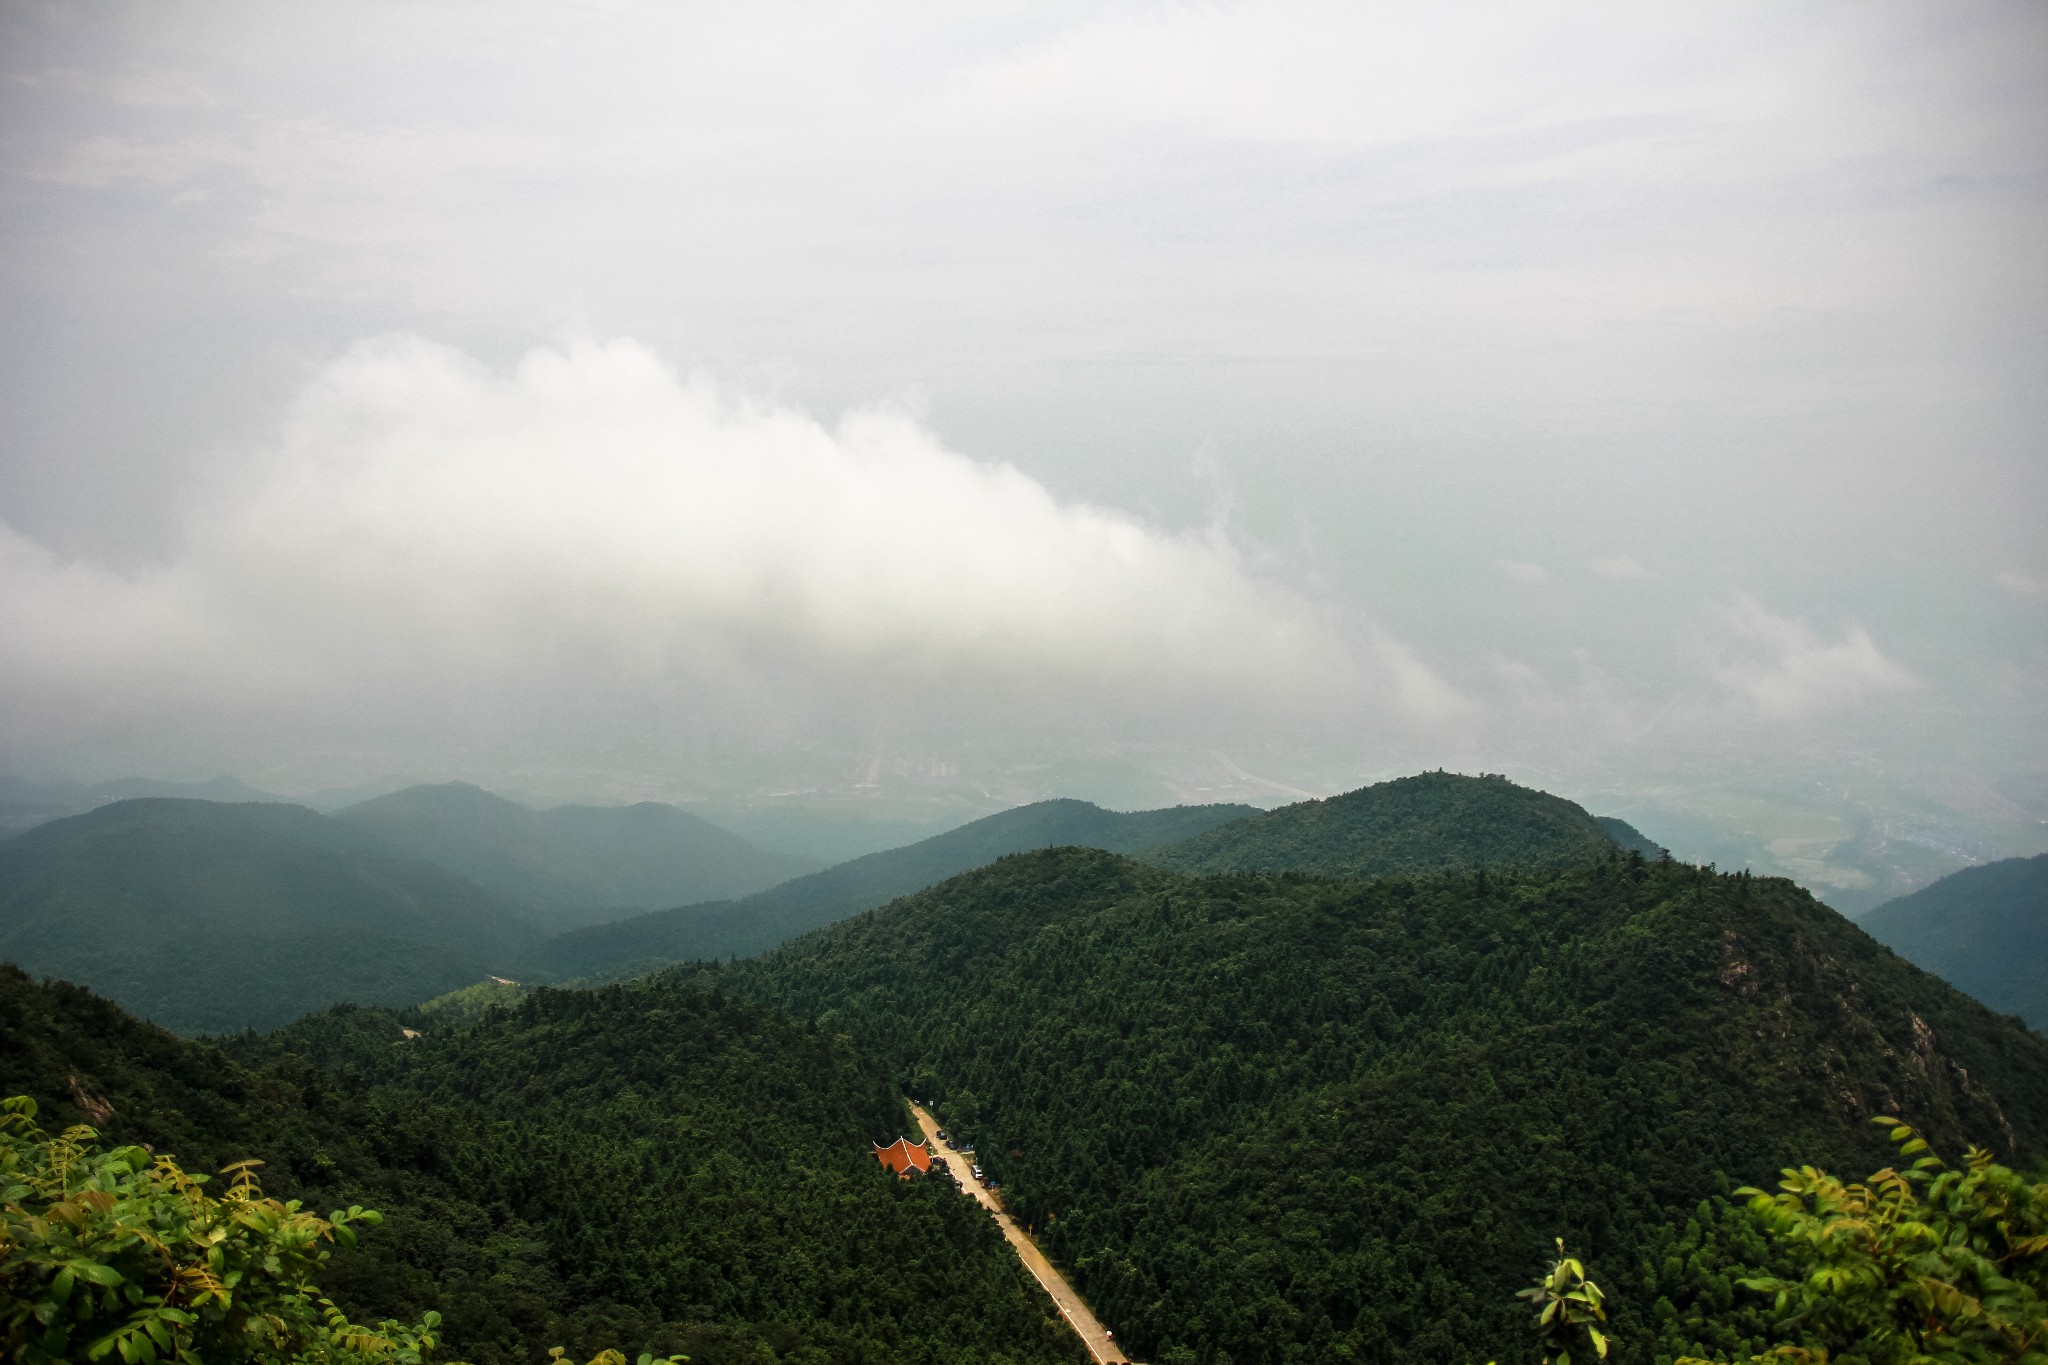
(761, 921)
(571, 865)
(206, 916)
(1432, 822)
(1983, 929)
(661, 1168)
(1283, 1119)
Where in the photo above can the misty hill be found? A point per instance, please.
(1983, 930)
(1628, 838)
(668, 1170)
(761, 921)
(1287, 1118)
(24, 805)
(572, 865)
(206, 916)
(1432, 822)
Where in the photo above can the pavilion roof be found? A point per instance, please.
(903, 1156)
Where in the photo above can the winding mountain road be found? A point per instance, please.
(1092, 1333)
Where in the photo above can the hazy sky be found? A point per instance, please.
(1645, 400)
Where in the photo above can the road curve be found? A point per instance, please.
(1092, 1333)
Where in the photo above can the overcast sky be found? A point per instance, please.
(1644, 400)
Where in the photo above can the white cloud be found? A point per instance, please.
(1618, 567)
(1783, 669)
(591, 551)
(1521, 571)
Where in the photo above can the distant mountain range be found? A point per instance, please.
(24, 805)
(1984, 929)
(209, 916)
(571, 865)
(212, 917)
(218, 916)
(756, 923)
(1434, 822)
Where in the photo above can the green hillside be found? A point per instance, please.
(663, 1169)
(1433, 822)
(571, 865)
(759, 922)
(1281, 1119)
(1984, 930)
(210, 917)
(464, 1007)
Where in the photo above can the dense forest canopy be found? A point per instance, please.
(1285, 1119)
(665, 1168)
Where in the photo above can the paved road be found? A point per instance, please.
(1092, 1333)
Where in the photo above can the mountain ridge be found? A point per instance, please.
(213, 917)
(1426, 823)
(1983, 929)
(758, 922)
(569, 866)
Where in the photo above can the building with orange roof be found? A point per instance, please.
(904, 1157)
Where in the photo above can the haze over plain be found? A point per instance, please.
(1137, 404)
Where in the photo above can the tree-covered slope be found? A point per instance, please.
(205, 916)
(1628, 838)
(1432, 822)
(1983, 930)
(761, 921)
(663, 1169)
(1281, 1119)
(571, 865)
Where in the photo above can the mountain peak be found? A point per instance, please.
(1427, 823)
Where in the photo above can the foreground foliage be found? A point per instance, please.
(1569, 1311)
(123, 1255)
(1923, 1266)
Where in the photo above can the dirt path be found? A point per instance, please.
(1092, 1333)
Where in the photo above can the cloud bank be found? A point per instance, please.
(1784, 670)
(589, 552)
